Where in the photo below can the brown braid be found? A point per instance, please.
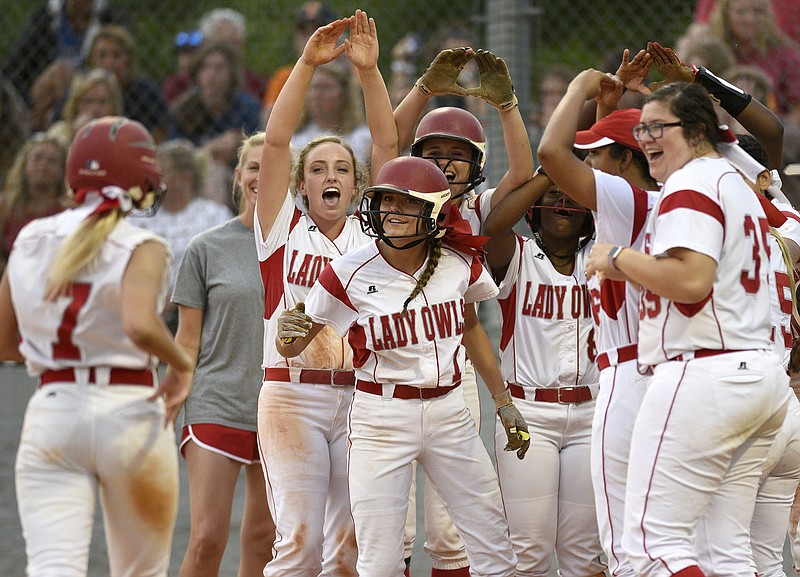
(433, 261)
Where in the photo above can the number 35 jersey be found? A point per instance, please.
(82, 328)
(707, 207)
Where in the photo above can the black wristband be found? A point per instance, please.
(732, 98)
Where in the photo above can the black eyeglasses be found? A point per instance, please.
(655, 130)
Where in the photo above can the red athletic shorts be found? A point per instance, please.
(236, 444)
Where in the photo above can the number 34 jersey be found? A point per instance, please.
(707, 207)
(82, 328)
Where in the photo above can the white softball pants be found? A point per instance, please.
(442, 541)
(78, 440)
(622, 389)
(698, 448)
(548, 495)
(386, 436)
(302, 436)
(775, 495)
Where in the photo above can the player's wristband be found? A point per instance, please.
(502, 399)
(422, 88)
(508, 105)
(612, 256)
(732, 98)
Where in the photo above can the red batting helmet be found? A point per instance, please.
(115, 151)
(414, 177)
(454, 124)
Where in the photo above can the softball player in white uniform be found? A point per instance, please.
(781, 472)
(718, 393)
(618, 191)
(86, 319)
(547, 354)
(304, 402)
(408, 404)
(454, 139)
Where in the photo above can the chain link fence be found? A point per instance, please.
(533, 36)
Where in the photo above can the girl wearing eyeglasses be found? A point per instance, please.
(718, 394)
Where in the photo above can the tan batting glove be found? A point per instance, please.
(495, 87)
(441, 77)
(669, 65)
(293, 324)
(516, 428)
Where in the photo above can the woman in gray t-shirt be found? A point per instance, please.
(221, 307)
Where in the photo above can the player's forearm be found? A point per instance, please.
(380, 118)
(479, 349)
(150, 334)
(285, 114)
(555, 154)
(407, 114)
(683, 277)
(518, 150)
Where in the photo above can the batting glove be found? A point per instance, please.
(293, 324)
(441, 77)
(496, 87)
(516, 428)
(669, 65)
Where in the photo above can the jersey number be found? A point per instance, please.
(64, 348)
(751, 281)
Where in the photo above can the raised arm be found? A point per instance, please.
(441, 77)
(362, 50)
(276, 159)
(749, 112)
(498, 225)
(496, 89)
(572, 175)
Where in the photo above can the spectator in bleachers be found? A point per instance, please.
(309, 17)
(227, 26)
(92, 95)
(750, 29)
(331, 107)
(113, 48)
(219, 26)
(14, 128)
(552, 86)
(56, 29)
(214, 113)
(34, 187)
(787, 15)
(185, 47)
(183, 213)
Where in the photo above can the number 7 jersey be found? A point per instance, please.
(707, 207)
(84, 327)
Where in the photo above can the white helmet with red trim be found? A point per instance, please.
(416, 178)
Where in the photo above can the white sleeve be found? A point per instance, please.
(279, 232)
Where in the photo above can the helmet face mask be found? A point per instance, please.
(458, 125)
(414, 178)
(561, 205)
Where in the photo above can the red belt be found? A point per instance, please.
(701, 353)
(626, 353)
(116, 377)
(405, 391)
(566, 395)
(334, 377)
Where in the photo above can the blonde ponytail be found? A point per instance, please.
(80, 250)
